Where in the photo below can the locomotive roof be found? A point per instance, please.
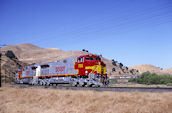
(89, 55)
(44, 63)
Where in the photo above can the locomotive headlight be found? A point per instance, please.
(99, 63)
(86, 72)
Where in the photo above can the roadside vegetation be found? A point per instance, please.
(152, 78)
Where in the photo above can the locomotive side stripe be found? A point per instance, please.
(26, 77)
(58, 75)
(94, 68)
(51, 76)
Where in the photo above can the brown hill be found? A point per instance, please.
(29, 53)
(168, 71)
(32, 54)
(151, 68)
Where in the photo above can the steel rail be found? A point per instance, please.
(121, 89)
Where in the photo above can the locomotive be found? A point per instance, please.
(85, 70)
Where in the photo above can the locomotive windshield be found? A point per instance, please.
(98, 59)
(81, 59)
(90, 58)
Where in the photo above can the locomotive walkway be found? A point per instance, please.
(121, 89)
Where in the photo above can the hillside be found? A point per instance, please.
(32, 54)
(9, 65)
(29, 53)
(168, 70)
(151, 68)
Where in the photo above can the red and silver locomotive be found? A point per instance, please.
(80, 70)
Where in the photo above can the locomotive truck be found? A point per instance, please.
(85, 70)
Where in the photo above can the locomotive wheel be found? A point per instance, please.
(90, 85)
(75, 84)
(84, 85)
(40, 83)
(81, 84)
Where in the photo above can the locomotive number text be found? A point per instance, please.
(60, 69)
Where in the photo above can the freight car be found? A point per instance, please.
(80, 70)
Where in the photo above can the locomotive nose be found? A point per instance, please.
(103, 68)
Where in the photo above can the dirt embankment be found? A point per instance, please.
(38, 100)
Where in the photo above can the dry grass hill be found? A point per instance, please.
(151, 68)
(169, 70)
(29, 53)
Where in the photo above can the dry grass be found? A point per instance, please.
(39, 100)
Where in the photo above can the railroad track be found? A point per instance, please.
(122, 89)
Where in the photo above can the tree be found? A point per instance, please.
(120, 65)
(114, 62)
(113, 69)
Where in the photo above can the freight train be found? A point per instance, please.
(85, 70)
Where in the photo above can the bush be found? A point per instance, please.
(10, 54)
(113, 69)
(152, 78)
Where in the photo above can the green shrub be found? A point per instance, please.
(152, 78)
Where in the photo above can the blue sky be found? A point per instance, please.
(129, 31)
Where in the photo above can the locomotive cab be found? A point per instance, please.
(92, 67)
(90, 64)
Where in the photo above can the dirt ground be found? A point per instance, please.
(39, 100)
